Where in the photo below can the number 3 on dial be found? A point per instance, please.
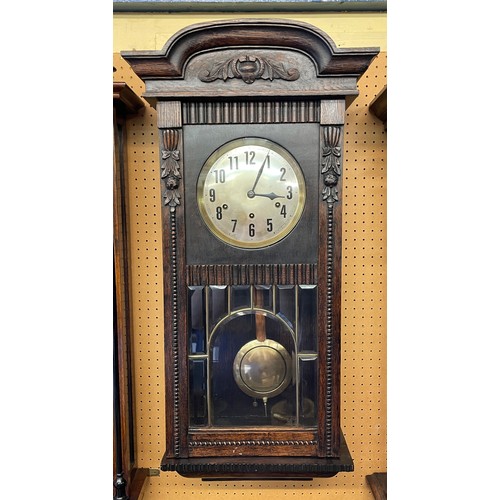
(251, 193)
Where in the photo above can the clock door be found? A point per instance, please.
(251, 258)
(249, 366)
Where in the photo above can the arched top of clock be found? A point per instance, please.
(274, 34)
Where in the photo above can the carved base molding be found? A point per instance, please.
(261, 467)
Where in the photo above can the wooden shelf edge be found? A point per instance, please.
(138, 479)
(123, 96)
(379, 105)
(378, 484)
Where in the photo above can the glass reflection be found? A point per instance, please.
(308, 369)
(196, 319)
(217, 304)
(263, 297)
(197, 392)
(285, 304)
(307, 301)
(240, 297)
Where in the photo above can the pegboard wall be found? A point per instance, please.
(364, 416)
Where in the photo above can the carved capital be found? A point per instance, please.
(331, 165)
(170, 168)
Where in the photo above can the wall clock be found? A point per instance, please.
(251, 116)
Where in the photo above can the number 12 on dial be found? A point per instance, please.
(251, 193)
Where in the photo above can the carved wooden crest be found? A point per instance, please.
(248, 68)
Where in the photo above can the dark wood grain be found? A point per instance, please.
(138, 478)
(378, 485)
(240, 447)
(379, 105)
(125, 104)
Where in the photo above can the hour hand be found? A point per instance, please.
(271, 196)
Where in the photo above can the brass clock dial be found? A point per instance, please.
(251, 193)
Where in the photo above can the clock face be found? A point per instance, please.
(251, 193)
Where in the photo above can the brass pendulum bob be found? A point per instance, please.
(262, 368)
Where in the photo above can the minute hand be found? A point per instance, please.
(260, 172)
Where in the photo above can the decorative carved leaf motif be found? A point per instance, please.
(170, 163)
(248, 68)
(221, 71)
(330, 194)
(170, 169)
(172, 197)
(331, 164)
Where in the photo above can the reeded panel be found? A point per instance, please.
(194, 113)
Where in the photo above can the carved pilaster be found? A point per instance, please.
(169, 124)
(330, 264)
(171, 177)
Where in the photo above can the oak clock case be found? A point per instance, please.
(250, 118)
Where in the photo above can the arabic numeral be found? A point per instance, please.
(251, 230)
(220, 176)
(234, 221)
(289, 195)
(283, 211)
(218, 213)
(211, 195)
(269, 225)
(250, 157)
(233, 162)
(283, 172)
